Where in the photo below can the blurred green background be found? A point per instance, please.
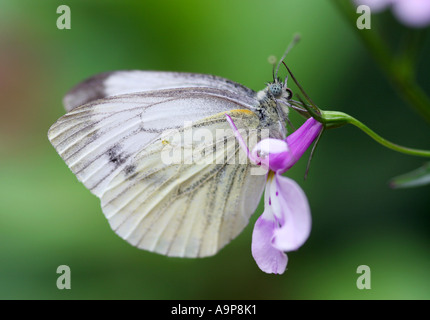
(48, 218)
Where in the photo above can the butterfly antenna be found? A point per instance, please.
(312, 154)
(273, 72)
(314, 107)
(272, 61)
(296, 39)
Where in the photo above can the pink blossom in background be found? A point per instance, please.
(413, 13)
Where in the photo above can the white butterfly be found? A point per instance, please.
(114, 132)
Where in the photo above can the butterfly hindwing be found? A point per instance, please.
(186, 209)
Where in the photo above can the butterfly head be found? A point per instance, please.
(279, 90)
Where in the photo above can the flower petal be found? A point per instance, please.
(296, 218)
(238, 136)
(271, 153)
(413, 13)
(300, 140)
(268, 258)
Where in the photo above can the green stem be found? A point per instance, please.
(399, 71)
(336, 119)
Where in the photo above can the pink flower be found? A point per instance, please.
(285, 223)
(284, 226)
(413, 13)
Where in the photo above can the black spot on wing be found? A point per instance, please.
(115, 156)
(89, 90)
(130, 169)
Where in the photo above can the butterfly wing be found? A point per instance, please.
(186, 209)
(133, 81)
(114, 146)
(98, 138)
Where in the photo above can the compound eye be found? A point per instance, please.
(275, 90)
(289, 94)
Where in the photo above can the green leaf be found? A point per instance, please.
(416, 178)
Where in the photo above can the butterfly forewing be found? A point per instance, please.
(133, 81)
(98, 138)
